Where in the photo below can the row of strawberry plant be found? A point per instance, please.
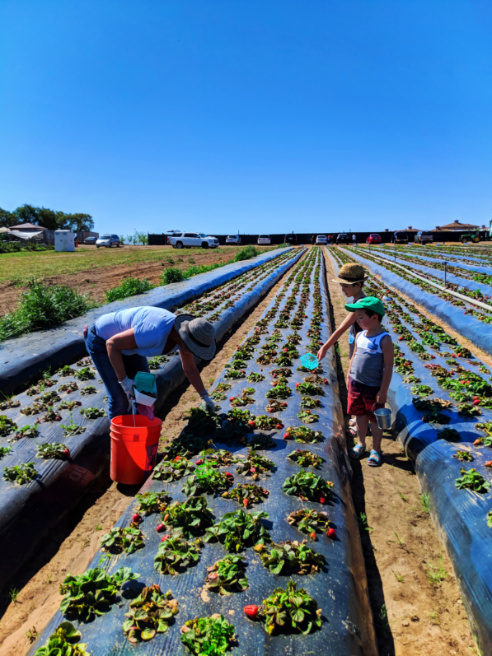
(274, 452)
(461, 265)
(442, 400)
(55, 434)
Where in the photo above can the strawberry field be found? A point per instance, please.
(246, 520)
(441, 396)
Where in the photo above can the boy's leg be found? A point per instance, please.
(377, 436)
(362, 424)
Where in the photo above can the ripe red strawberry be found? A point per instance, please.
(297, 384)
(245, 503)
(312, 535)
(322, 499)
(286, 436)
(252, 423)
(159, 527)
(177, 458)
(213, 576)
(199, 461)
(488, 463)
(136, 518)
(476, 402)
(232, 398)
(279, 426)
(325, 380)
(229, 475)
(331, 533)
(253, 470)
(251, 611)
(274, 375)
(284, 404)
(66, 453)
(164, 538)
(400, 338)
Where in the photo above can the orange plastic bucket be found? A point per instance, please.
(134, 442)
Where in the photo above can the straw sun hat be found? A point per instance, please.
(349, 274)
(197, 334)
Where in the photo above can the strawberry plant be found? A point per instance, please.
(435, 417)
(262, 441)
(20, 474)
(152, 612)
(307, 416)
(303, 434)
(9, 403)
(235, 425)
(88, 389)
(152, 502)
(173, 470)
(69, 405)
(201, 422)
(235, 374)
(448, 434)
(255, 377)
(310, 389)
(7, 426)
(306, 458)
(207, 480)
(238, 530)
(290, 610)
(421, 390)
(127, 539)
(93, 592)
(290, 557)
(308, 402)
(48, 398)
(244, 399)
(55, 450)
(309, 521)
(472, 480)
(64, 641)
(65, 371)
(247, 494)
(157, 361)
(175, 554)
(464, 456)
(216, 457)
(276, 406)
(86, 373)
(68, 387)
(468, 410)
(26, 431)
(72, 428)
(307, 485)
(190, 517)
(93, 413)
(282, 372)
(280, 391)
(254, 464)
(4, 450)
(227, 575)
(265, 422)
(210, 636)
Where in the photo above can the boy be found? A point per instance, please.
(370, 371)
(351, 278)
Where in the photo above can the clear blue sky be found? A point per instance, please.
(250, 115)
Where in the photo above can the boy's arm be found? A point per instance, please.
(350, 364)
(388, 357)
(345, 325)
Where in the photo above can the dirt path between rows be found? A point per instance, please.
(412, 616)
(74, 543)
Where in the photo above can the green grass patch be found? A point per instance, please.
(129, 287)
(245, 254)
(42, 307)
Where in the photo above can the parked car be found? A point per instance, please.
(342, 238)
(424, 237)
(264, 240)
(233, 239)
(374, 238)
(171, 233)
(192, 240)
(321, 239)
(290, 239)
(90, 240)
(108, 241)
(400, 238)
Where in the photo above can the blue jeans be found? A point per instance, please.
(117, 399)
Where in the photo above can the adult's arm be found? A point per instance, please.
(190, 368)
(388, 356)
(349, 320)
(114, 345)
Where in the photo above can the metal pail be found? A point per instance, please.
(383, 417)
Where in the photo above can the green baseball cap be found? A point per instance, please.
(367, 303)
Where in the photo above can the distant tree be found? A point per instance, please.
(50, 219)
(7, 218)
(79, 222)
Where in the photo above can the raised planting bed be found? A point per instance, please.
(441, 397)
(33, 508)
(307, 579)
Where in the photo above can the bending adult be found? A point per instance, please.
(119, 344)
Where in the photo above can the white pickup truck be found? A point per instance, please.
(192, 240)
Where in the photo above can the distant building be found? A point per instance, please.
(456, 225)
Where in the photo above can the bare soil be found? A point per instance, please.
(413, 617)
(99, 277)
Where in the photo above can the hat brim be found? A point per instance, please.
(348, 282)
(203, 352)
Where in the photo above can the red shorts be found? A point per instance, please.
(362, 400)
